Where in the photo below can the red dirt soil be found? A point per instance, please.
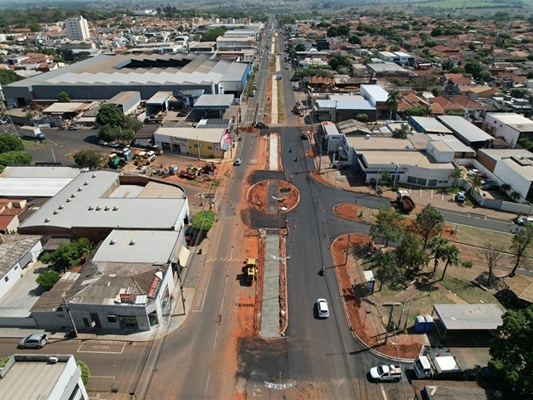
(257, 196)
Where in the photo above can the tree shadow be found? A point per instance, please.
(497, 283)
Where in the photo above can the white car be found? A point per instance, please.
(523, 220)
(322, 307)
(33, 341)
(102, 142)
(237, 162)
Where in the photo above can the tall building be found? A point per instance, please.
(77, 28)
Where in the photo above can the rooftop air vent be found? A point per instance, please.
(115, 208)
(61, 207)
(132, 242)
(47, 220)
(53, 360)
(91, 208)
(94, 176)
(55, 212)
(98, 208)
(85, 183)
(112, 241)
(106, 208)
(80, 189)
(73, 195)
(68, 200)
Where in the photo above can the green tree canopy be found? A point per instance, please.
(63, 97)
(68, 255)
(300, 47)
(89, 158)
(387, 270)
(15, 158)
(402, 132)
(110, 114)
(521, 245)
(203, 221)
(409, 254)
(47, 279)
(428, 223)
(7, 76)
(85, 372)
(392, 101)
(211, 35)
(389, 226)
(338, 61)
(10, 143)
(512, 355)
(473, 67)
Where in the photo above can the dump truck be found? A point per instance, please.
(251, 269)
(386, 373)
(440, 363)
(404, 201)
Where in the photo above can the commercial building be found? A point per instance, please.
(30, 181)
(41, 376)
(77, 28)
(510, 126)
(198, 142)
(467, 132)
(127, 102)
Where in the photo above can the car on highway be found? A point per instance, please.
(102, 142)
(523, 220)
(33, 341)
(322, 307)
(237, 162)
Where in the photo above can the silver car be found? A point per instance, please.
(322, 306)
(33, 341)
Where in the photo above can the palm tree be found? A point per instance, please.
(392, 101)
(505, 187)
(475, 181)
(456, 175)
(515, 195)
(402, 132)
(387, 269)
(438, 247)
(452, 257)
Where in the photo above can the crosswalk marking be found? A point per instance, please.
(220, 259)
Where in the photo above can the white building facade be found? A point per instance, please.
(77, 28)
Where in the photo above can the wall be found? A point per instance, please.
(207, 149)
(510, 135)
(27, 322)
(438, 155)
(10, 279)
(508, 175)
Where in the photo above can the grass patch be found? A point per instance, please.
(468, 291)
(281, 103)
(478, 237)
(32, 144)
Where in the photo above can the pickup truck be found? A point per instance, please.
(386, 373)
(404, 201)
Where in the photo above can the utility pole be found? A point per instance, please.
(70, 316)
(7, 123)
(198, 140)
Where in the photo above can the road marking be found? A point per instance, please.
(102, 348)
(105, 377)
(223, 259)
(207, 383)
(383, 391)
(215, 343)
(224, 292)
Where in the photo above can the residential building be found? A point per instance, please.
(77, 28)
(42, 376)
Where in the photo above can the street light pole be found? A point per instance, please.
(377, 180)
(198, 140)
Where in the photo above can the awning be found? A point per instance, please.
(183, 256)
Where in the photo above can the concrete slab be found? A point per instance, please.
(270, 307)
(272, 203)
(273, 164)
(18, 300)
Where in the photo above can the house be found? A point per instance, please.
(510, 126)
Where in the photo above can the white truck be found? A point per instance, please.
(386, 373)
(440, 363)
(31, 132)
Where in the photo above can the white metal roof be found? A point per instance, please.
(404, 158)
(455, 144)
(214, 101)
(39, 172)
(82, 204)
(431, 125)
(138, 247)
(464, 128)
(377, 92)
(469, 316)
(211, 135)
(159, 98)
(516, 121)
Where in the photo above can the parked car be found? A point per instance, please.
(237, 162)
(322, 307)
(523, 220)
(114, 145)
(33, 341)
(304, 136)
(102, 142)
(460, 197)
(72, 128)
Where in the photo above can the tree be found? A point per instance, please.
(63, 97)
(354, 39)
(428, 223)
(47, 279)
(447, 65)
(10, 143)
(402, 132)
(110, 114)
(300, 47)
(452, 257)
(410, 254)
(69, 255)
(521, 245)
(512, 355)
(387, 271)
(389, 226)
(35, 27)
(361, 117)
(456, 175)
(473, 67)
(392, 101)
(85, 372)
(88, 158)
(505, 187)
(437, 91)
(15, 158)
(475, 181)
(437, 245)
(203, 221)
(211, 35)
(493, 253)
(338, 61)
(7, 76)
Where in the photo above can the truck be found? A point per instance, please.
(31, 132)
(404, 201)
(386, 373)
(440, 363)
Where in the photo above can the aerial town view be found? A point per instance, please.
(280, 200)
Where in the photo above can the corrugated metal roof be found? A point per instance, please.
(40, 172)
(13, 249)
(469, 316)
(464, 128)
(431, 125)
(214, 101)
(521, 286)
(515, 121)
(211, 135)
(159, 98)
